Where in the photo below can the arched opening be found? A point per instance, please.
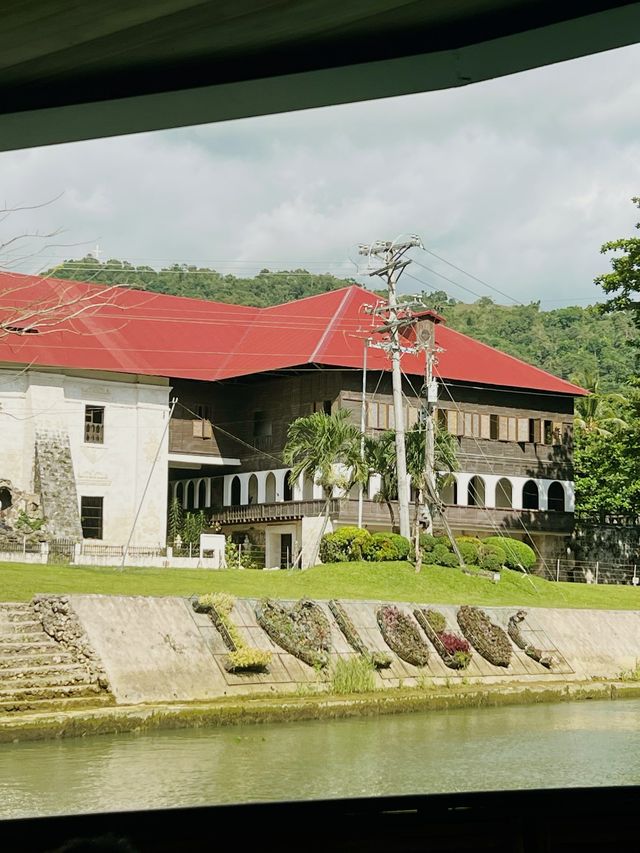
(287, 494)
(476, 492)
(307, 488)
(449, 491)
(504, 494)
(253, 489)
(270, 488)
(530, 495)
(5, 498)
(180, 493)
(202, 494)
(235, 491)
(556, 497)
(190, 494)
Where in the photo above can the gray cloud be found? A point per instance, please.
(517, 180)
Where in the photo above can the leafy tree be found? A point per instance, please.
(325, 448)
(175, 520)
(380, 457)
(623, 282)
(598, 413)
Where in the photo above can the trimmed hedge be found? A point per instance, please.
(302, 630)
(488, 639)
(517, 554)
(402, 635)
(383, 547)
(349, 544)
(344, 545)
(379, 660)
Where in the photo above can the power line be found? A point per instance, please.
(474, 277)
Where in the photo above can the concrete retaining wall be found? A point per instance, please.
(159, 649)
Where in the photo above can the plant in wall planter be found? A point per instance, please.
(531, 651)
(488, 639)
(402, 635)
(379, 660)
(303, 630)
(241, 657)
(454, 650)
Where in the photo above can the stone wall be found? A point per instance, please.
(55, 480)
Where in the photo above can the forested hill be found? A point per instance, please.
(566, 341)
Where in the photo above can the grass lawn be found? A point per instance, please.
(378, 581)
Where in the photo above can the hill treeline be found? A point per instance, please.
(569, 342)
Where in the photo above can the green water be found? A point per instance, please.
(569, 744)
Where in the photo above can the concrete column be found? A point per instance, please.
(226, 489)
(244, 488)
(463, 488)
(543, 493)
(262, 485)
(375, 482)
(280, 473)
(196, 493)
(569, 495)
(516, 490)
(490, 483)
(207, 494)
(298, 488)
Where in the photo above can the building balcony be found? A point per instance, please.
(376, 515)
(193, 443)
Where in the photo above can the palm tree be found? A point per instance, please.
(380, 456)
(597, 414)
(325, 448)
(445, 463)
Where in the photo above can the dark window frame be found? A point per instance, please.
(92, 516)
(94, 418)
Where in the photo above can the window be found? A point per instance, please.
(547, 432)
(91, 517)
(323, 406)
(203, 411)
(94, 424)
(493, 427)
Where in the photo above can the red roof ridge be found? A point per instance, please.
(322, 295)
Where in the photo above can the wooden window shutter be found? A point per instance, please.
(513, 429)
(476, 425)
(198, 431)
(468, 424)
(452, 421)
(557, 432)
(373, 415)
(503, 428)
(485, 426)
(207, 429)
(523, 430)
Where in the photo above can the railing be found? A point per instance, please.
(283, 510)
(94, 433)
(612, 519)
(262, 442)
(590, 571)
(97, 549)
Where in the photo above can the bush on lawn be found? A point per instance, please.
(346, 544)
(517, 554)
(469, 552)
(387, 546)
(440, 556)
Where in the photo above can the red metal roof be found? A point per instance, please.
(88, 326)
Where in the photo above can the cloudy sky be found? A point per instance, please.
(517, 181)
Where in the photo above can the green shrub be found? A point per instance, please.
(469, 552)
(353, 675)
(436, 620)
(517, 554)
(387, 546)
(491, 562)
(344, 545)
(427, 541)
(496, 553)
(441, 556)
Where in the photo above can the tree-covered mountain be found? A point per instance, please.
(569, 342)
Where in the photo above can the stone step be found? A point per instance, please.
(43, 681)
(39, 658)
(14, 607)
(61, 691)
(19, 646)
(29, 669)
(72, 703)
(13, 636)
(20, 625)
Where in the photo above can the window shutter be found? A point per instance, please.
(468, 426)
(207, 429)
(503, 428)
(476, 426)
(198, 430)
(557, 432)
(513, 429)
(485, 426)
(452, 421)
(523, 430)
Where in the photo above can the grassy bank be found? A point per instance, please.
(282, 708)
(378, 581)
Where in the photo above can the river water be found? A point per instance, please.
(568, 744)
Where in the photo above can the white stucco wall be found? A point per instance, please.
(136, 414)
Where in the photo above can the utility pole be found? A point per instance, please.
(425, 339)
(363, 426)
(390, 255)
